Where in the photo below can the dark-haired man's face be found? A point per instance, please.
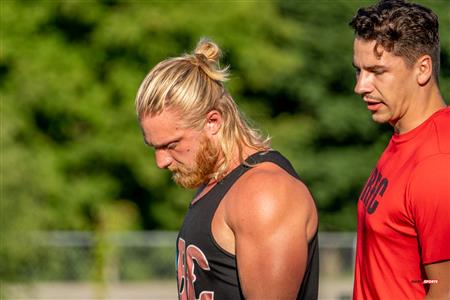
(385, 83)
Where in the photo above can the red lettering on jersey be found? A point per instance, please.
(181, 270)
(186, 269)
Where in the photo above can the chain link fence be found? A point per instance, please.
(109, 264)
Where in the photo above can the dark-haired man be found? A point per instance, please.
(403, 248)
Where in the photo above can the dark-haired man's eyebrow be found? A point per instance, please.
(370, 68)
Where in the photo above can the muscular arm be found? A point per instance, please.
(440, 272)
(271, 223)
(430, 202)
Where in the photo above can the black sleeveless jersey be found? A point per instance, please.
(205, 270)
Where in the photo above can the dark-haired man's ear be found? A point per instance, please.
(425, 69)
(213, 122)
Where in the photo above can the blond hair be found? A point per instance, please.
(192, 85)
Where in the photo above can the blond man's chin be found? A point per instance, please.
(187, 181)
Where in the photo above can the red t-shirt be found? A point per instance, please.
(403, 214)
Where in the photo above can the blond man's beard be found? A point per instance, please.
(203, 169)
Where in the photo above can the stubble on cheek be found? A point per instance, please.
(204, 166)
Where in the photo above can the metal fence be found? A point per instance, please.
(124, 259)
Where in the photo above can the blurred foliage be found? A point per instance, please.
(72, 155)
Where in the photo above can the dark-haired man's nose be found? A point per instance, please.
(363, 83)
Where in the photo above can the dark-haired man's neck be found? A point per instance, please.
(425, 104)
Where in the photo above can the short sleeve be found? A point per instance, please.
(429, 196)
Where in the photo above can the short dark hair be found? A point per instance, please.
(406, 29)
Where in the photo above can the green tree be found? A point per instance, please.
(71, 147)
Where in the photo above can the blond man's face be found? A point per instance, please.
(188, 153)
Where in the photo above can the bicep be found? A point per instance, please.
(271, 247)
(438, 280)
(429, 195)
(271, 265)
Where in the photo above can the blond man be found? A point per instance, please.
(251, 230)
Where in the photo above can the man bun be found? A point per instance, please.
(207, 56)
(209, 50)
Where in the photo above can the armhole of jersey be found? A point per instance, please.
(282, 167)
